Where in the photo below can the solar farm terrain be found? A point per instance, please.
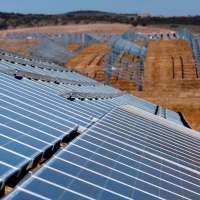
(99, 113)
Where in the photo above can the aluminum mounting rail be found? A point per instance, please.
(30, 75)
(36, 58)
(32, 63)
(88, 95)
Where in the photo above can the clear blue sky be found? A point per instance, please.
(153, 7)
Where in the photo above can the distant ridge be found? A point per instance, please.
(17, 20)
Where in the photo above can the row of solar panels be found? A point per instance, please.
(127, 47)
(52, 51)
(127, 154)
(38, 121)
(69, 38)
(51, 82)
(31, 60)
(12, 62)
(133, 36)
(121, 67)
(56, 88)
(193, 42)
(62, 88)
(64, 38)
(35, 121)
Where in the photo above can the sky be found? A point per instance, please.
(152, 7)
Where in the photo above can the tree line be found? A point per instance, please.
(17, 20)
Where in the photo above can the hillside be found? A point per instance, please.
(17, 20)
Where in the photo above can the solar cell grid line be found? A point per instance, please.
(39, 85)
(107, 146)
(18, 149)
(112, 101)
(153, 140)
(125, 168)
(155, 127)
(131, 97)
(86, 111)
(133, 166)
(138, 103)
(31, 62)
(93, 113)
(11, 104)
(25, 151)
(134, 102)
(77, 181)
(21, 67)
(18, 84)
(32, 101)
(154, 146)
(180, 158)
(92, 107)
(59, 100)
(72, 117)
(31, 129)
(97, 104)
(176, 130)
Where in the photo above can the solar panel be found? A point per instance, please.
(52, 104)
(126, 155)
(44, 68)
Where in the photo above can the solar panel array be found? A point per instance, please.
(118, 158)
(121, 150)
(58, 37)
(51, 51)
(132, 36)
(44, 68)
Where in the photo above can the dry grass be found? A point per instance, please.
(73, 47)
(171, 79)
(89, 60)
(17, 46)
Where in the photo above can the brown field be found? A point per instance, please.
(170, 77)
(17, 46)
(89, 60)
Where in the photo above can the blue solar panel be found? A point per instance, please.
(41, 100)
(125, 155)
(33, 122)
